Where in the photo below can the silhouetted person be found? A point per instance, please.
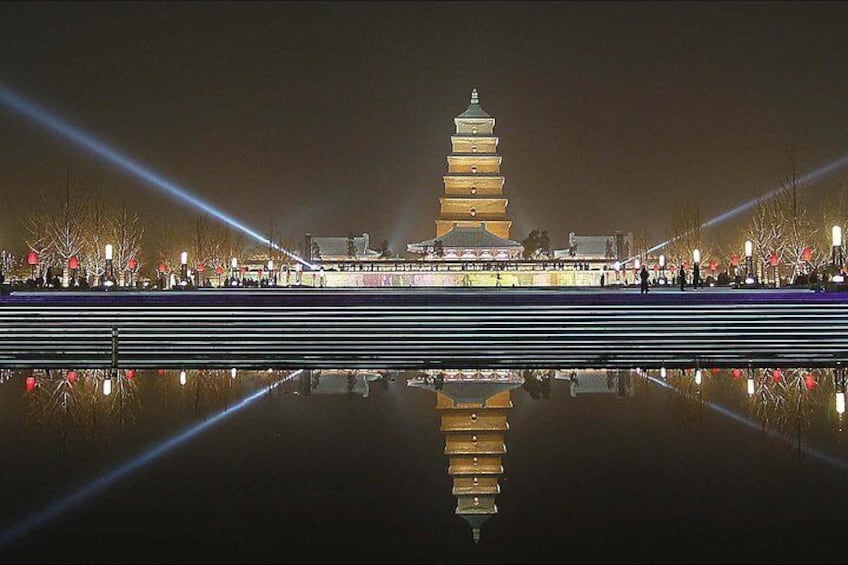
(681, 275)
(602, 278)
(696, 276)
(643, 274)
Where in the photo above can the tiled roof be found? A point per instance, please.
(469, 238)
(337, 246)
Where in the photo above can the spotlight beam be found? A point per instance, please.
(809, 178)
(99, 484)
(53, 123)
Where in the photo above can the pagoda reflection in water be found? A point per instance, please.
(474, 406)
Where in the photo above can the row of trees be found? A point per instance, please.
(780, 227)
(75, 224)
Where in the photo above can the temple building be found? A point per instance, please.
(472, 222)
(473, 406)
(339, 248)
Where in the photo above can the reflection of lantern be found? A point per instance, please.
(737, 374)
(734, 260)
(775, 375)
(30, 384)
(714, 371)
(72, 377)
(809, 381)
(132, 264)
(807, 254)
(73, 263)
(32, 258)
(130, 374)
(162, 372)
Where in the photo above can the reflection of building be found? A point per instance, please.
(472, 220)
(598, 381)
(474, 408)
(353, 382)
(597, 247)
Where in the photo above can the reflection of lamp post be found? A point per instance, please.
(749, 262)
(109, 274)
(839, 385)
(836, 258)
(698, 377)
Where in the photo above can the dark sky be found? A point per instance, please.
(333, 118)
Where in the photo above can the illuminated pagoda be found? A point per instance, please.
(472, 222)
(474, 406)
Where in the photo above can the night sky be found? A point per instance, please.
(335, 118)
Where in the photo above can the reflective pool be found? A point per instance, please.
(460, 466)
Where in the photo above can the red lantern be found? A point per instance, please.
(807, 254)
(219, 270)
(163, 268)
(201, 267)
(686, 265)
(132, 264)
(73, 263)
(713, 265)
(809, 381)
(243, 269)
(30, 384)
(72, 377)
(734, 260)
(737, 374)
(130, 374)
(774, 260)
(776, 376)
(656, 268)
(32, 258)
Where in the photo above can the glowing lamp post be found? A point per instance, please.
(696, 268)
(234, 267)
(73, 265)
(617, 267)
(637, 264)
(109, 273)
(836, 257)
(774, 261)
(32, 261)
(183, 268)
(749, 262)
(201, 267)
(132, 266)
(271, 277)
(662, 269)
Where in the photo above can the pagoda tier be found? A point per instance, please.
(474, 170)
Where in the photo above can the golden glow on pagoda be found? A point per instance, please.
(473, 184)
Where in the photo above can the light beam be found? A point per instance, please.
(99, 484)
(53, 123)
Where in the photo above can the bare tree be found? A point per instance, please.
(126, 233)
(685, 233)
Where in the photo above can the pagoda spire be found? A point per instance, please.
(474, 98)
